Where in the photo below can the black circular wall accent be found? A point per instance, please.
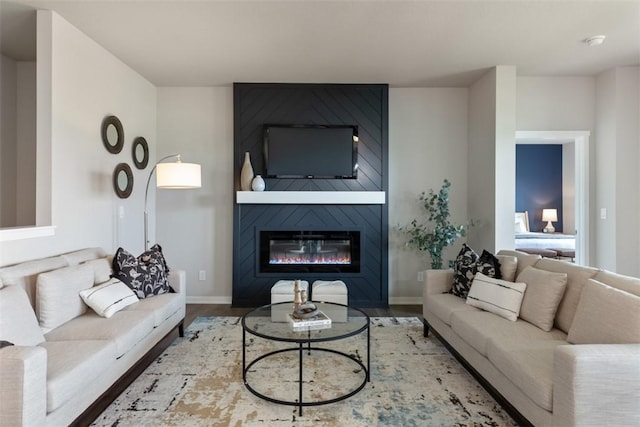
(140, 149)
(112, 134)
(123, 180)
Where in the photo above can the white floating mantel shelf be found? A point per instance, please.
(312, 197)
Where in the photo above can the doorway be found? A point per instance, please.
(579, 201)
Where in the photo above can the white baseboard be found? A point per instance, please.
(405, 300)
(208, 300)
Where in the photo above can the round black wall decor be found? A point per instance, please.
(112, 134)
(123, 180)
(140, 152)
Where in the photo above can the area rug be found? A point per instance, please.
(197, 381)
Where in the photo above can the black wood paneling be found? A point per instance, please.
(325, 104)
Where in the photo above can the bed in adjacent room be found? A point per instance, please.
(524, 238)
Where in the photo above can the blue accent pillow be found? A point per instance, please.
(147, 275)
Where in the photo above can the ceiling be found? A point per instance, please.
(404, 43)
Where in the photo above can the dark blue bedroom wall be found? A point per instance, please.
(539, 182)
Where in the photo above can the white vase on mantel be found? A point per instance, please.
(257, 184)
(246, 174)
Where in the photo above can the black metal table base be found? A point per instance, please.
(301, 349)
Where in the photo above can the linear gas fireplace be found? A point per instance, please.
(309, 251)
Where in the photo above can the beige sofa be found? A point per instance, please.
(546, 378)
(65, 356)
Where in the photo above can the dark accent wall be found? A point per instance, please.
(326, 104)
(539, 182)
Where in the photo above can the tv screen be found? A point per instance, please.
(311, 151)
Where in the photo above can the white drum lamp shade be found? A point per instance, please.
(178, 175)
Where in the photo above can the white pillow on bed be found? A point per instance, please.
(520, 226)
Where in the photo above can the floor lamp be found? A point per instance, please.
(174, 175)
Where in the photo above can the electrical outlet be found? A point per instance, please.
(420, 276)
(202, 275)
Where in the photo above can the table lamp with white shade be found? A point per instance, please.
(172, 175)
(549, 215)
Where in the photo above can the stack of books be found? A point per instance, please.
(319, 321)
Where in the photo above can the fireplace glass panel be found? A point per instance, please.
(309, 251)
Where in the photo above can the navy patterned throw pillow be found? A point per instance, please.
(147, 275)
(467, 264)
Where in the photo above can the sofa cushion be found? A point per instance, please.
(524, 259)
(443, 305)
(528, 364)
(606, 315)
(508, 266)
(109, 297)
(58, 295)
(72, 366)
(497, 296)
(101, 269)
(615, 280)
(147, 274)
(542, 297)
(26, 274)
(476, 328)
(576, 278)
(125, 328)
(162, 306)
(18, 323)
(83, 255)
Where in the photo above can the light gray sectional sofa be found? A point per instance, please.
(65, 356)
(583, 371)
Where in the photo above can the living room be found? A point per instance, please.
(460, 126)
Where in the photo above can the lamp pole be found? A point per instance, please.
(146, 194)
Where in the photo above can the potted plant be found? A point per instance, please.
(438, 232)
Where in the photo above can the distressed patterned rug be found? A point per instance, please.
(197, 381)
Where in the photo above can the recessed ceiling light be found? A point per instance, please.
(595, 40)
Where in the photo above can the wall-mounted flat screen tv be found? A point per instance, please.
(311, 151)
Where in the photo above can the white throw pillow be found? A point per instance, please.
(109, 298)
(500, 297)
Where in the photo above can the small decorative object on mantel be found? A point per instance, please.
(257, 184)
(246, 174)
(434, 237)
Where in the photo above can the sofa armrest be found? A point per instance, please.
(596, 385)
(23, 386)
(178, 281)
(437, 282)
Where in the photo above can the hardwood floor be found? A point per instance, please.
(206, 310)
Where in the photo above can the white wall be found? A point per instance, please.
(617, 151)
(87, 84)
(427, 143)
(26, 153)
(195, 227)
(481, 195)
(568, 187)
(505, 157)
(8, 140)
(555, 103)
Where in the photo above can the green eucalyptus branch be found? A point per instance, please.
(434, 236)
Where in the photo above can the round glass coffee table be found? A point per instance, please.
(270, 322)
